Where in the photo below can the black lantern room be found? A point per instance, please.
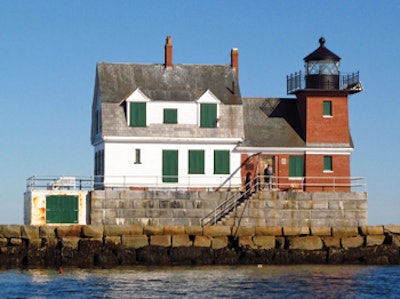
(322, 68)
(322, 72)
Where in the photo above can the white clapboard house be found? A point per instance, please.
(167, 125)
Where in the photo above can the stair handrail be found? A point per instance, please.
(227, 205)
(236, 170)
(222, 209)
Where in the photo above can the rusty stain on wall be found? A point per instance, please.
(35, 202)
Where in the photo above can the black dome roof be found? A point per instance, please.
(321, 53)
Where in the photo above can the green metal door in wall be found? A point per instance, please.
(170, 166)
(61, 209)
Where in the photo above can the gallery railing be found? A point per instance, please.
(297, 81)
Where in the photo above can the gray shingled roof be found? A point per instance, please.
(275, 123)
(271, 122)
(117, 81)
(177, 83)
(267, 122)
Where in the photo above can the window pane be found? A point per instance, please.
(328, 163)
(137, 156)
(221, 162)
(296, 166)
(170, 116)
(138, 114)
(208, 115)
(196, 162)
(328, 108)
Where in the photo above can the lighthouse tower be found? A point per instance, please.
(322, 100)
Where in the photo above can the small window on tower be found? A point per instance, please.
(327, 110)
(328, 164)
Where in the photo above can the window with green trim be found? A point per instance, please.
(208, 115)
(296, 166)
(137, 114)
(170, 116)
(221, 162)
(327, 110)
(196, 162)
(328, 163)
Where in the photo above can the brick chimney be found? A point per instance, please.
(235, 61)
(168, 52)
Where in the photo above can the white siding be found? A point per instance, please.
(186, 112)
(120, 165)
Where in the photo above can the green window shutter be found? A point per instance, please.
(137, 114)
(327, 108)
(328, 163)
(62, 209)
(208, 115)
(170, 166)
(196, 162)
(221, 162)
(296, 166)
(170, 116)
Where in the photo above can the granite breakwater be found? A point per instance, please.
(108, 246)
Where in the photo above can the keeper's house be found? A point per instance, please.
(166, 125)
(175, 125)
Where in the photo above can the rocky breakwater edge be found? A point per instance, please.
(107, 246)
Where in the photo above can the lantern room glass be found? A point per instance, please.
(322, 67)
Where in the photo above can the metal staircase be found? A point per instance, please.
(226, 208)
(232, 202)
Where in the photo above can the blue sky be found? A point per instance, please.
(49, 50)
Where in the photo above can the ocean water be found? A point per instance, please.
(306, 281)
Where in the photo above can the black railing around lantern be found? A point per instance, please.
(298, 81)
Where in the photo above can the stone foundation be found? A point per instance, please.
(113, 245)
(264, 208)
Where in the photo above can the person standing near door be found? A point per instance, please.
(268, 176)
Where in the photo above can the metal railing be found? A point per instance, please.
(59, 182)
(326, 183)
(211, 183)
(230, 204)
(297, 81)
(69, 182)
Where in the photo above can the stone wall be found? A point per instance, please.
(264, 208)
(159, 207)
(310, 209)
(114, 246)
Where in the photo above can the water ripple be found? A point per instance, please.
(206, 282)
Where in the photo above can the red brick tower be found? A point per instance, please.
(322, 100)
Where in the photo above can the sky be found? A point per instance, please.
(49, 50)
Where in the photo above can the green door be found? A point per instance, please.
(296, 166)
(170, 166)
(62, 209)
